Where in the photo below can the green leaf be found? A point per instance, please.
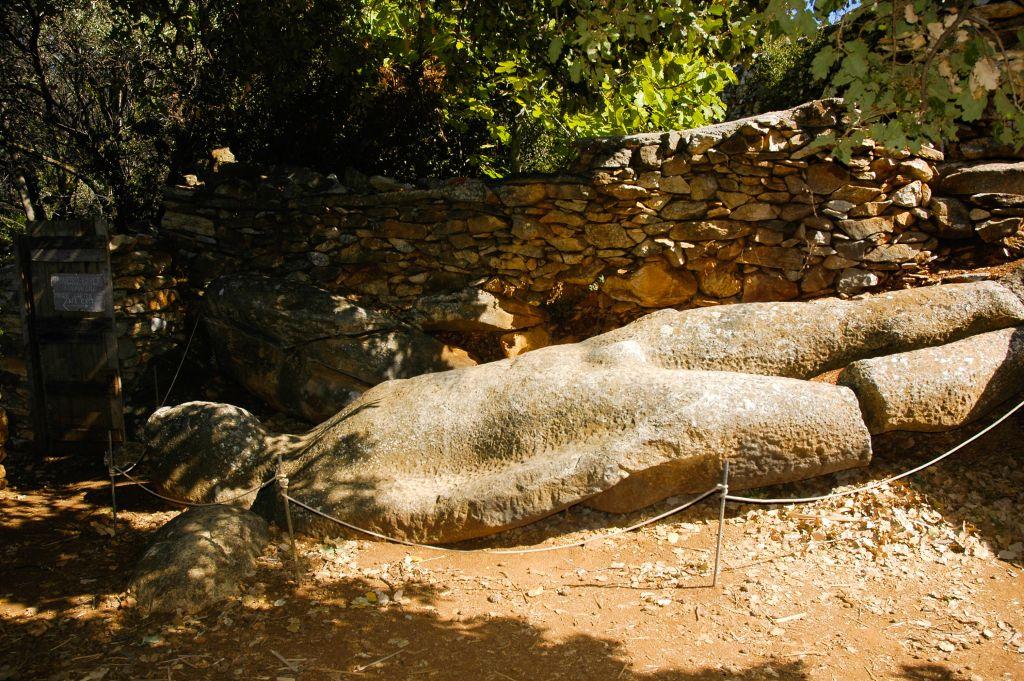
(555, 49)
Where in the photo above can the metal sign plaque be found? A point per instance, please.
(79, 292)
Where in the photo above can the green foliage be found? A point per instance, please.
(912, 71)
(777, 77)
(555, 71)
(102, 100)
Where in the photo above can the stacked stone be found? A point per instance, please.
(748, 210)
(148, 312)
(984, 200)
(753, 210)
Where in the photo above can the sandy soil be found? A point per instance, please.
(921, 580)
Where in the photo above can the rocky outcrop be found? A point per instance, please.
(939, 388)
(197, 559)
(308, 352)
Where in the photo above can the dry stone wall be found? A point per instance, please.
(750, 210)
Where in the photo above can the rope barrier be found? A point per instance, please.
(886, 481)
(182, 502)
(182, 362)
(509, 552)
(722, 488)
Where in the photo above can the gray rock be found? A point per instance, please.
(209, 452)
(197, 559)
(986, 178)
(473, 310)
(805, 339)
(308, 352)
(951, 218)
(995, 230)
(939, 388)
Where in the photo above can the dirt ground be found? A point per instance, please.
(916, 580)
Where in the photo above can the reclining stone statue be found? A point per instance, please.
(618, 421)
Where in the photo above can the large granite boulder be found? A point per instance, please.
(308, 352)
(805, 339)
(197, 559)
(939, 388)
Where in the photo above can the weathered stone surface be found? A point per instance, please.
(194, 224)
(424, 458)
(675, 184)
(773, 257)
(197, 559)
(608, 235)
(825, 178)
(909, 196)
(995, 178)
(755, 212)
(520, 342)
(916, 168)
(861, 229)
(941, 387)
(705, 230)
(719, 279)
(473, 310)
(521, 194)
(208, 452)
(994, 230)
(683, 210)
(805, 339)
(853, 280)
(703, 187)
(308, 352)
(654, 284)
(459, 454)
(765, 286)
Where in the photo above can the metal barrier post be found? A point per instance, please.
(721, 519)
(282, 481)
(113, 482)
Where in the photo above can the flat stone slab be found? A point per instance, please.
(198, 559)
(985, 178)
(942, 387)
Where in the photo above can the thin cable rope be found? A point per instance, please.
(886, 481)
(126, 471)
(181, 363)
(508, 552)
(222, 502)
